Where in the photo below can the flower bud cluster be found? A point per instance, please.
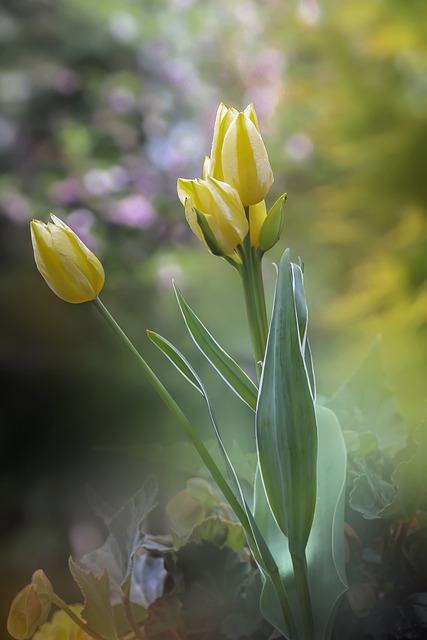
(227, 203)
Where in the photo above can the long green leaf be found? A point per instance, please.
(227, 368)
(286, 421)
(325, 548)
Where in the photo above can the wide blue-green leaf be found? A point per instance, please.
(325, 548)
(285, 418)
(227, 368)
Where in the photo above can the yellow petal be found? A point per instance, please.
(257, 215)
(70, 269)
(245, 161)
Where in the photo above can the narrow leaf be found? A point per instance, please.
(233, 492)
(175, 358)
(227, 368)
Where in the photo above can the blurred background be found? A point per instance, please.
(103, 106)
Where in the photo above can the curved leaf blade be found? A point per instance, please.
(255, 539)
(228, 369)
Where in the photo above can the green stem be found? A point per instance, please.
(253, 288)
(299, 564)
(284, 603)
(75, 618)
(181, 418)
(129, 615)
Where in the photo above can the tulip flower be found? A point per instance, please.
(222, 210)
(238, 155)
(70, 269)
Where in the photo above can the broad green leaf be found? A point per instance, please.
(370, 493)
(361, 444)
(325, 548)
(121, 621)
(285, 419)
(116, 554)
(213, 579)
(164, 619)
(244, 462)
(227, 368)
(97, 611)
(410, 480)
(365, 403)
(220, 532)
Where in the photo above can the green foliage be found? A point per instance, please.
(125, 538)
(388, 475)
(325, 557)
(285, 419)
(272, 227)
(365, 404)
(98, 610)
(229, 370)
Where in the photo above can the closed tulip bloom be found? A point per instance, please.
(222, 209)
(238, 155)
(70, 269)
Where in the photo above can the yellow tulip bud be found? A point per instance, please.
(238, 155)
(222, 209)
(70, 269)
(26, 613)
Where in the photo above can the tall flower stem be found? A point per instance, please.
(253, 288)
(299, 564)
